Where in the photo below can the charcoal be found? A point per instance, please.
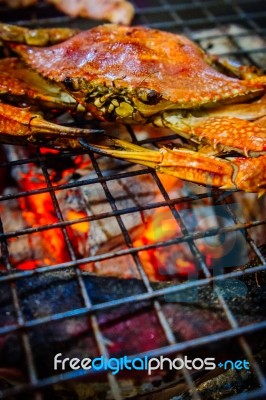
(192, 313)
(216, 385)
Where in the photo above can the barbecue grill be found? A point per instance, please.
(40, 306)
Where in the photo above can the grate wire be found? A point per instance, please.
(187, 25)
(31, 370)
(156, 304)
(85, 296)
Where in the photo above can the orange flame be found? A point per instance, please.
(82, 227)
(38, 210)
(160, 263)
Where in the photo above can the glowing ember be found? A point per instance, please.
(38, 210)
(149, 228)
(82, 227)
(161, 263)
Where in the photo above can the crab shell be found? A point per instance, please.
(146, 70)
(138, 75)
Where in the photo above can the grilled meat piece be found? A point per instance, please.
(117, 11)
(18, 3)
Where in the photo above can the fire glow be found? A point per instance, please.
(38, 210)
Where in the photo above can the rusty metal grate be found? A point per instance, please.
(175, 16)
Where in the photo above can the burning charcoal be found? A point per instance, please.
(105, 234)
(127, 193)
(3, 171)
(100, 232)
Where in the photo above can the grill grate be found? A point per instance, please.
(175, 16)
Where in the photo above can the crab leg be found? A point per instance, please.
(247, 111)
(19, 83)
(232, 67)
(236, 173)
(222, 133)
(35, 37)
(22, 124)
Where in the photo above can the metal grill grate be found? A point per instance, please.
(175, 16)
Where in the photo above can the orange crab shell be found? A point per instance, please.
(137, 57)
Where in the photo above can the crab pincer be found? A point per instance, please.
(35, 37)
(247, 174)
(21, 124)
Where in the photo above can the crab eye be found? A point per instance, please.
(71, 84)
(147, 96)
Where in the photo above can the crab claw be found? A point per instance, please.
(250, 174)
(20, 123)
(241, 173)
(35, 37)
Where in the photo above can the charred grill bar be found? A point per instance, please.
(53, 281)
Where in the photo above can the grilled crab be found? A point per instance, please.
(137, 75)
